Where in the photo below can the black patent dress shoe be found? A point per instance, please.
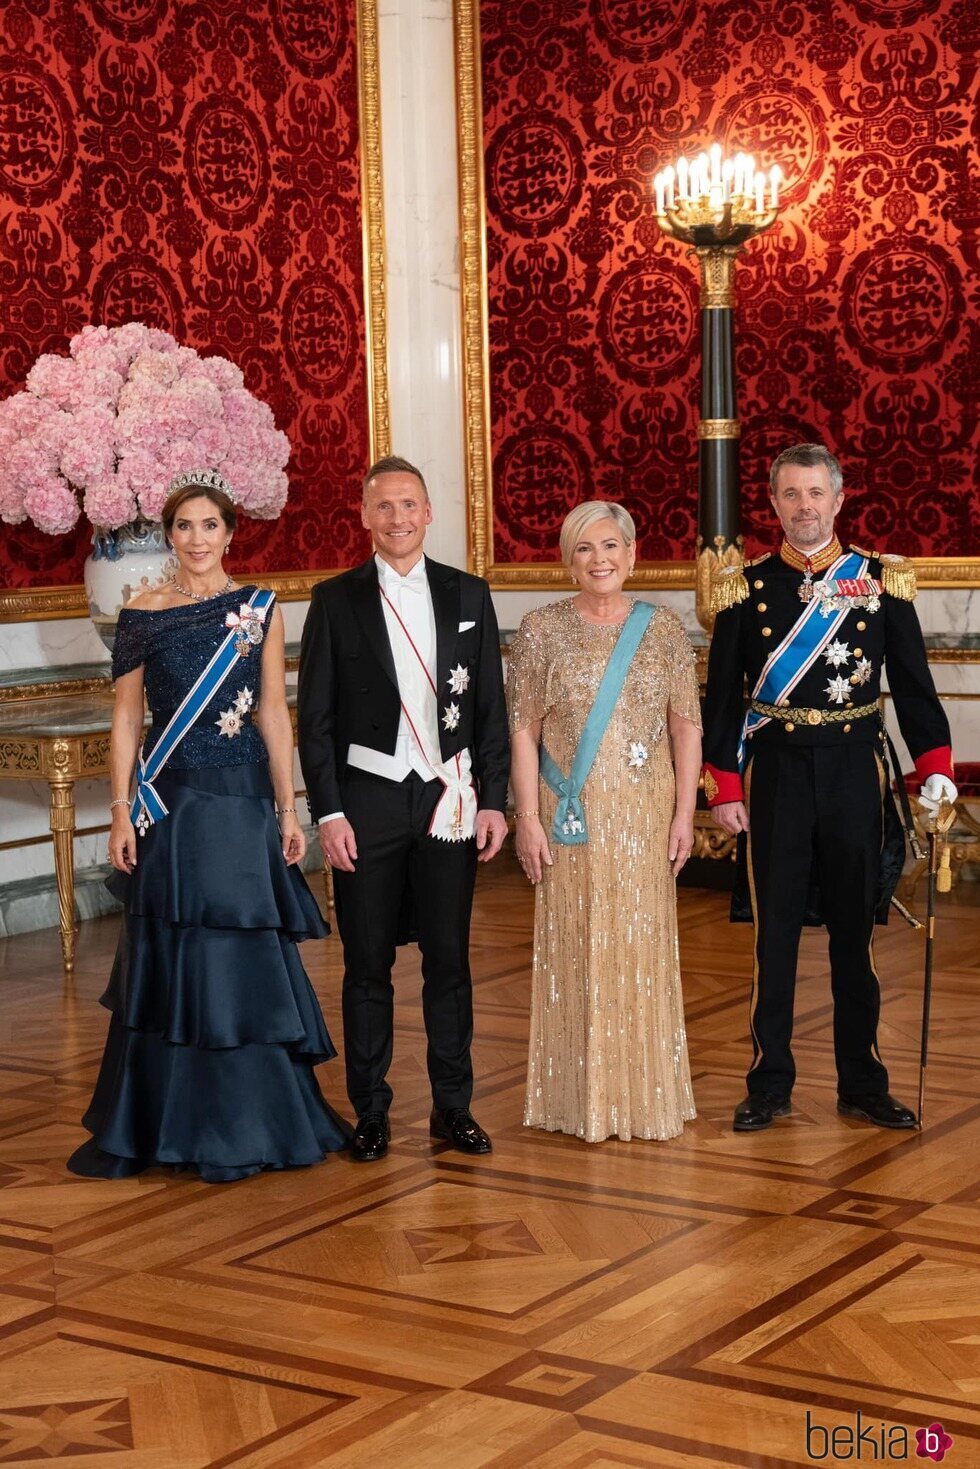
(456, 1125)
(371, 1137)
(883, 1111)
(754, 1113)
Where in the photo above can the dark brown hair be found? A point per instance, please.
(218, 499)
(394, 464)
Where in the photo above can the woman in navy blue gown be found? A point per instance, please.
(215, 1028)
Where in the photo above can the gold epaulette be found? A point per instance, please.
(860, 551)
(898, 577)
(728, 586)
(757, 559)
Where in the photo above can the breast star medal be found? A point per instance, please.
(230, 721)
(837, 653)
(459, 679)
(839, 690)
(450, 717)
(638, 755)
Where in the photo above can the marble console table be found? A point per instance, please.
(61, 741)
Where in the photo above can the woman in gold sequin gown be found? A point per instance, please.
(608, 1048)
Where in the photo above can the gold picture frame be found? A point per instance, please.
(42, 604)
(937, 572)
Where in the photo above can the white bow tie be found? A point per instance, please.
(415, 581)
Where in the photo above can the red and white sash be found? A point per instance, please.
(454, 819)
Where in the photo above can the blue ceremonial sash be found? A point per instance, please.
(569, 828)
(799, 649)
(185, 716)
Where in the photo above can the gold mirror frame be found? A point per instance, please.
(41, 604)
(932, 572)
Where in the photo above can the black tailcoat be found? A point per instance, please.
(348, 693)
(404, 880)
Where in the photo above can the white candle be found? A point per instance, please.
(749, 175)
(727, 174)
(682, 177)
(716, 163)
(658, 184)
(702, 168)
(716, 198)
(775, 174)
(760, 192)
(669, 181)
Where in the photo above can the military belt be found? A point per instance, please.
(790, 716)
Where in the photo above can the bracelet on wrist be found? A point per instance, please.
(286, 810)
(525, 813)
(119, 801)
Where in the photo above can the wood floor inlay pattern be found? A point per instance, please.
(555, 1305)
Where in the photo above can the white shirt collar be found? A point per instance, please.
(390, 578)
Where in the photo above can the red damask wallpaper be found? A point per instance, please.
(194, 166)
(858, 313)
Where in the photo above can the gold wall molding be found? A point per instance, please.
(373, 228)
(941, 572)
(475, 310)
(42, 604)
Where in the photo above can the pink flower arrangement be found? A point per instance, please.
(104, 431)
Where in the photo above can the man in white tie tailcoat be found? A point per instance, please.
(405, 753)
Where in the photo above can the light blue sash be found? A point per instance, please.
(147, 806)
(569, 828)
(799, 649)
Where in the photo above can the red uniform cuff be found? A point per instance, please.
(722, 786)
(935, 762)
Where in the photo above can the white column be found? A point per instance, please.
(418, 131)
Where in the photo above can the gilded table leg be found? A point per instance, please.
(62, 823)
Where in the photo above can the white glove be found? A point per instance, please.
(935, 789)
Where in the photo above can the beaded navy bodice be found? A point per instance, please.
(174, 646)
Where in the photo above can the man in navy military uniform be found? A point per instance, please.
(802, 771)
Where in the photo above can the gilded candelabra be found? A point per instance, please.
(716, 205)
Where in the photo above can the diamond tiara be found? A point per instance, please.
(208, 479)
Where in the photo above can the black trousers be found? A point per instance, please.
(818, 807)
(399, 866)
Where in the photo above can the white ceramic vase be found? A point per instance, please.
(121, 564)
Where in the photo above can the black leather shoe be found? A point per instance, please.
(883, 1111)
(754, 1113)
(456, 1125)
(371, 1137)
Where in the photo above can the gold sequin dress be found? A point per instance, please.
(608, 1048)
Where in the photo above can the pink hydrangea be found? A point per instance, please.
(51, 504)
(224, 374)
(11, 498)
(55, 379)
(87, 457)
(110, 503)
(156, 367)
(108, 427)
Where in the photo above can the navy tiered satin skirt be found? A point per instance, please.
(215, 1028)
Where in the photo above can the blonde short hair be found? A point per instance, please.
(586, 514)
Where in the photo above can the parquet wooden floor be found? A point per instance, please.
(557, 1305)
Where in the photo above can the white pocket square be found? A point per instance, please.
(465, 626)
